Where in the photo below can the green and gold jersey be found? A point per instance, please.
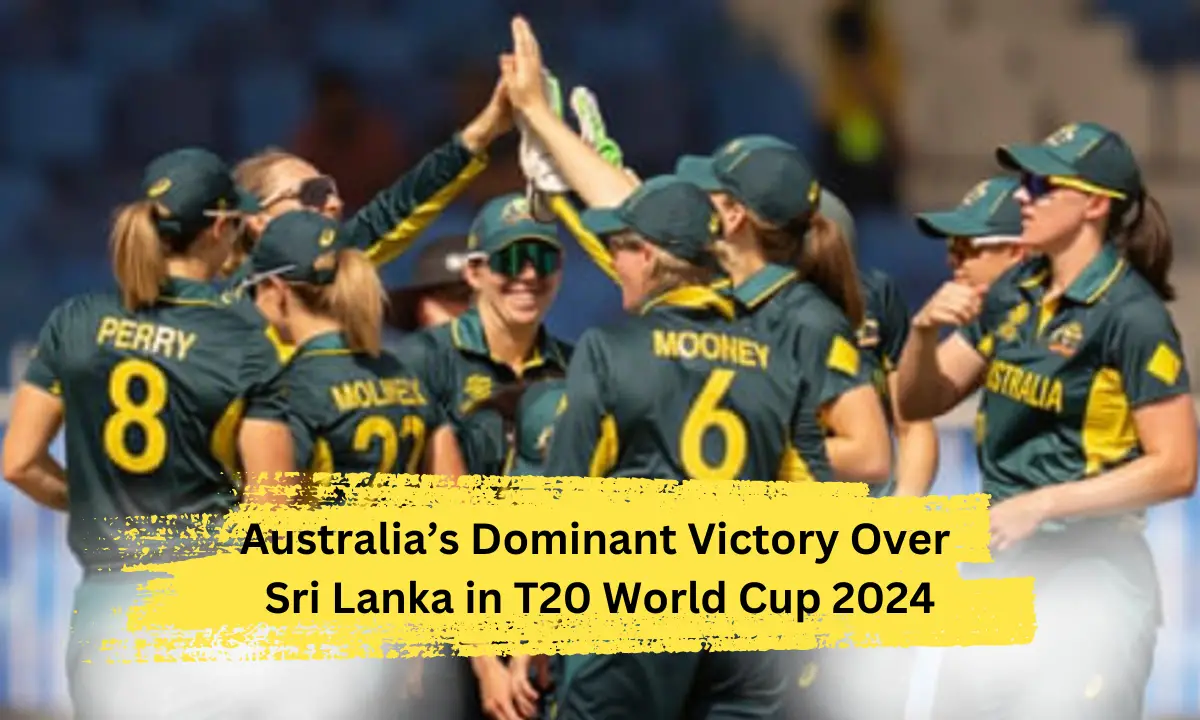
(880, 340)
(1064, 377)
(457, 370)
(353, 413)
(152, 404)
(682, 391)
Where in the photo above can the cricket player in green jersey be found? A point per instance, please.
(159, 386)
(829, 683)
(982, 234)
(784, 259)
(353, 408)
(679, 390)
(514, 265)
(1086, 420)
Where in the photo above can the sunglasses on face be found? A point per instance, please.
(511, 259)
(1039, 186)
(312, 193)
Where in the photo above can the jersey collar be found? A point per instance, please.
(762, 285)
(1092, 283)
(327, 343)
(466, 333)
(692, 297)
(184, 291)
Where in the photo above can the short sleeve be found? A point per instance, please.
(894, 323)
(827, 352)
(265, 389)
(44, 370)
(584, 438)
(1144, 346)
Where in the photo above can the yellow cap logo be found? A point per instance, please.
(328, 235)
(714, 225)
(516, 211)
(976, 193)
(814, 192)
(159, 188)
(1063, 135)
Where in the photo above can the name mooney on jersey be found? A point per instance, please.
(711, 346)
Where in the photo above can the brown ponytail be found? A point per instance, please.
(1145, 241)
(355, 299)
(816, 247)
(138, 258)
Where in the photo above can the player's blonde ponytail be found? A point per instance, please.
(138, 257)
(355, 299)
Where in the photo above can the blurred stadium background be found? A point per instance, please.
(898, 101)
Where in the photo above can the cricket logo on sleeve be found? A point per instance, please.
(868, 334)
(1165, 365)
(1011, 326)
(477, 388)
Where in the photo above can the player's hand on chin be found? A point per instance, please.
(954, 304)
(1017, 518)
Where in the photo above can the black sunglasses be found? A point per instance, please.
(312, 193)
(511, 259)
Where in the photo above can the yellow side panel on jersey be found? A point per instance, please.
(1108, 434)
(793, 468)
(224, 436)
(843, 356)
(604, 457)
(284, 350)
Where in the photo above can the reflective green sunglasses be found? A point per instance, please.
(511, 259)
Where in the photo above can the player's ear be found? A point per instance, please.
(472, 273)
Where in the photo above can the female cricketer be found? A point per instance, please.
(1085, 421)
(161, 387)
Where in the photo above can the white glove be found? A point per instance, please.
(537, 164)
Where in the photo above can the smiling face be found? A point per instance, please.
(519, 282)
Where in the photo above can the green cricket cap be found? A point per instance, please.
(190, 185)
(764, 173)
(1083, 151)
(989, 209)
(666, 211)
(291, 245)
(505, 220)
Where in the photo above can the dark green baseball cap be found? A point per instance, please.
(1089, 153)
(832, 207)
(536, 413)
(291, 245)
(666, 211)
(505, 220)
(764, 173)
(990, 209)
(192, 185)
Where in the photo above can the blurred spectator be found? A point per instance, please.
(349, 140)
(472, 88)
(860, 151)
(435, 292)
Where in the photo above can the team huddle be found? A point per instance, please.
(245, 341)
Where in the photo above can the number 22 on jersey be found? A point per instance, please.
(707, 415)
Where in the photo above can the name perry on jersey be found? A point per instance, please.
(145, 337)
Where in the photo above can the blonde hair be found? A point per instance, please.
(355, 298)
(667, 271)
(258, 176)
(139, 261)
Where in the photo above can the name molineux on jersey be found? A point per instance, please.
(711, 346)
